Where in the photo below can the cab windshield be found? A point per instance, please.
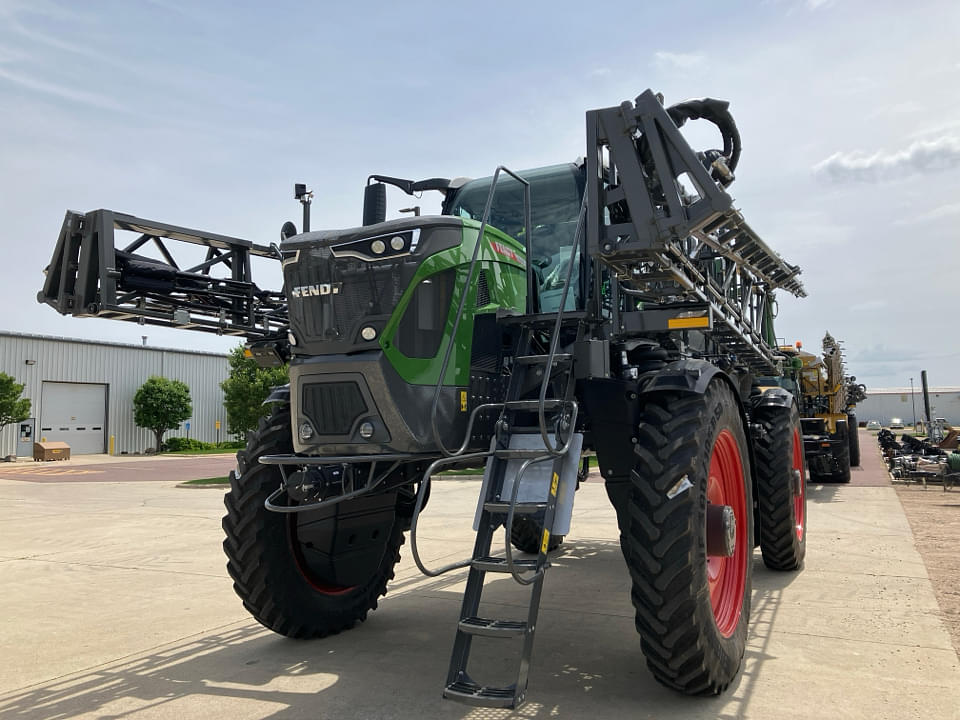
(555, 194)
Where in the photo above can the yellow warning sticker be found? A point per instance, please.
(554, 484)
(688, 322)
(463, 401)
(546, 541)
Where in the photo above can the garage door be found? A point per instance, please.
(76, 414)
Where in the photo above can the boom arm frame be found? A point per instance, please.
(89, 276)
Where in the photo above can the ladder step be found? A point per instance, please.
(493, 628)
(558, 359)
(534, 404)
(499, 564)
(502, 508)
(479, 695)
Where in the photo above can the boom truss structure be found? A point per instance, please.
(89, 276)
(682, 255)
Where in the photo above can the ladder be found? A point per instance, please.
(519, 445)
(536, 426)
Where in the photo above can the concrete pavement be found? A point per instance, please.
(115, 602)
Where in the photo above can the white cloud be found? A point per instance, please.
(678, 61)
(922, 156)
(60, 91)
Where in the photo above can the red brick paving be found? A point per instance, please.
(161, 470)
(872, 471)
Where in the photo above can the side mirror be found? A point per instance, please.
(374, 204)
(287, 231)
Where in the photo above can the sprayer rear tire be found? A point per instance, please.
(691, 611)
(779, 454)
(841, 454)
(527, 533)
(263, 555)
(854, 436)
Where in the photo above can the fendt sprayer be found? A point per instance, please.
(827, 397)
(618, 304)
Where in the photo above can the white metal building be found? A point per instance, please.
(82, 392)
(885, 403)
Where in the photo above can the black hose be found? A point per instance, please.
(717, 112)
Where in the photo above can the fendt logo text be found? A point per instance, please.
(302, 291)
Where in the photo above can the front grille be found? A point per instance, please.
(483, 290)
(333, 407)
(359, 289)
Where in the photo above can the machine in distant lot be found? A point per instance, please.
(619, 304)
(828, 398)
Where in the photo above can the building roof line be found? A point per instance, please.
(918, 389)
(111, 343)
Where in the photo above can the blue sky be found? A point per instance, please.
(204, 114)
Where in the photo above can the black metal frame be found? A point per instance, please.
(90, 276)
(661, 251)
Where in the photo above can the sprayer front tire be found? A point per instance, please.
(265, 558)
(692, 609)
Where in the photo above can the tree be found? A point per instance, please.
(161, 404)
(13, 408)
(245, 390)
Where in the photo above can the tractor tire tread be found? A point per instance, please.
(262, 566)
(773, 450)
(660, 547)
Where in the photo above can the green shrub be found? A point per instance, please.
(179, 444)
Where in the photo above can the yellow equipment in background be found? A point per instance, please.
(827, 398)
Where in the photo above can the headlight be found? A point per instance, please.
(306, 431)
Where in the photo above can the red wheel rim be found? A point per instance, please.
(312, 579)
(726, 576)
(799, 504)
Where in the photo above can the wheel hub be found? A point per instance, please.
(726, 526)
(721, 531)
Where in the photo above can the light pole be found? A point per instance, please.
(914, 403)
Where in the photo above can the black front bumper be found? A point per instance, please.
(337, 394)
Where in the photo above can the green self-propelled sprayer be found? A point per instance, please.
(618, 305)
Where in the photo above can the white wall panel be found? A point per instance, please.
(881, 405)
(123, 368)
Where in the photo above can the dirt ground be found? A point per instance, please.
(934, 516)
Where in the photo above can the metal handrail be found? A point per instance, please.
(508, 525)
(371, 485)
(418, 507)
(463, 296)
(554, 340)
